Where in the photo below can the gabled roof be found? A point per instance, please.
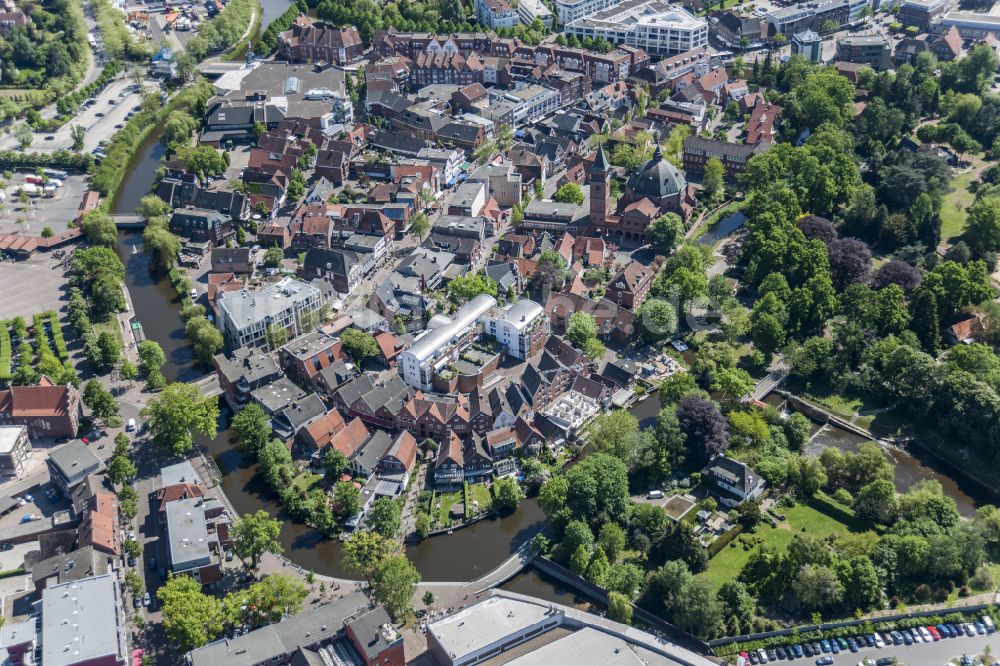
(451, 451)
(350, 439)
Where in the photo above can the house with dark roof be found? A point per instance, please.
(233, 260)
(343, 268)
(734, 156)
(732, 482)
(71, 464)
(306, 42)
(631, 285)
(202, 225)
(449, 467)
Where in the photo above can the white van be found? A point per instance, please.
(655, 494)
(193, 294)
(130, 426)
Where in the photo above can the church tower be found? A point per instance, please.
(599, 195)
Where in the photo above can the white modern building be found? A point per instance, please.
(654, 26)
(435, 349)
(571, 10)
(972, 25)
(245, 316)
(496, 14)
(529, 10)
(15, 448)
(520, 327)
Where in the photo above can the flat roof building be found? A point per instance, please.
(972, 25)
(655, 26)
(70, 464)
(432, 351)
(521, 327)
(83, 623)
(245, 316)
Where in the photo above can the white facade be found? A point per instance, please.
(571, 10)
(514, 326)
(972, 25)
(431, 351)
(651, 25)
(529, 10)
(15, 448)
(496, 14)
(244, 316)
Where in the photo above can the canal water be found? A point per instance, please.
(272, 9)
(463, 555)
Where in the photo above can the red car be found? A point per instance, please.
(935, 634)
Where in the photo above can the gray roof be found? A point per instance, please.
(303, 412)
(372, 450)
(364, 318)
(187, 532)
(591, 646)
(17, 633)
(247, 364)
(311, 627)
(374, 631)
(277, 395)
(657, 178)
(82, 621)
(435, 339)
(75, 461)
(81, 563)
(244, 308)
(182, 472)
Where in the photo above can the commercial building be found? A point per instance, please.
(871, 50)
(811, 16)
(521, 328)
(734, 156)
(921, 13)
(437, 348)
(655, 26)
(244, 317)
(506, 621)
(83, 622)
(244, 371)
(70, 464)
(305, 42)
(972, 25)
(571, 10)
(15, 447)
(338, 632)
(808, 44)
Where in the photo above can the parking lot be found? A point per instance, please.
(99, 119)
(935, 652)
(42, 504)
(40, 212)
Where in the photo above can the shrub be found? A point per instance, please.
(923, 592)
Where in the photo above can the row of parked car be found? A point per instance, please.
(824, 648)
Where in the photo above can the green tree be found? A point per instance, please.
(580, 560)
(612, 433)
(364, 550)
(346, 500)
(877, 502)
(581, 332)
(23, 134)
(151, 206)
(393, 583)
(611, 539)
(255, 534)
(657, 319)
(465, 288)
(191, 618)
(77, 134)
(151, 357)
(664, 232)
(100, 401)
(569, 193)
(335, 463)
(714, 179)
(178, 412)
(274, 256)
(925, 321)
(507, 494)
(697, 610)
(818, 587)
(359, 345)
(384, 517)
(597, 570)
(983, 226)
(206, 340)
(419, 225)
(99, 228)
(121, 469)
(252, 427)
(267, 601)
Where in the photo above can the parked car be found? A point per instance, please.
(924, 634)
(988, 621)
(883, 661)
(980, 628)
(762, 656)
(869, 640)
(146, 600)
(853, 644)
(935, 634)
(807, 649)
(897, 638)
(772, 655)
(843, 643)
(797, 650)
(907, 639)
(137, 601)
(131, 561)
(781, 653)
(824, 661)
(969, 629)
(816, 648)
(879, 641)
(754, 659)
(834, 646)
(824, 645)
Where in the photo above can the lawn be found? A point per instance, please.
(110, 326)
(801, 518)
(307, 481)
(953, 208)
(446, 500)
(480, 493)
